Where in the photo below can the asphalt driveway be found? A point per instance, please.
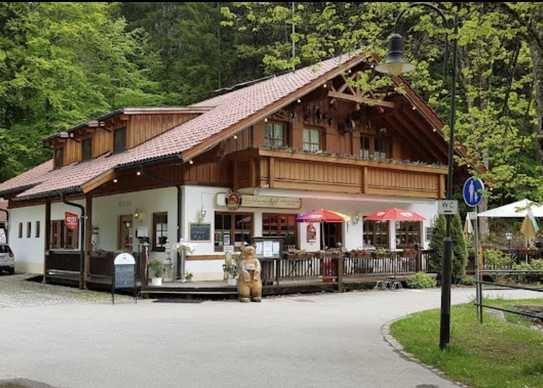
(329, 340)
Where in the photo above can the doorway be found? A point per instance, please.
(333, 234)
(125, 233)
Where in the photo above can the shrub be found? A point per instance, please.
(468, 280)
(460, 252)
(497, 259)
(421, 280)
(156, 268)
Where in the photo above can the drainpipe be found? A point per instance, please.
(7, 224)
(82, 239)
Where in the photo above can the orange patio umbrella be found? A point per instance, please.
(395, 214)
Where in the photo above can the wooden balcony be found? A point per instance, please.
(314, 172)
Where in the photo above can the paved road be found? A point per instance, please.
(331, 340)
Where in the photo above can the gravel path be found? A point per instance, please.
(17, 291)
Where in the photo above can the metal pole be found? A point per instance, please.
(477, 262)
(445, 318)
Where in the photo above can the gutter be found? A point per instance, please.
(82, 239)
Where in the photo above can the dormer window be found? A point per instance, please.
(86, 149)
(58, 160)
(119, 140)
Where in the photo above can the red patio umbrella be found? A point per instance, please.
(322, 215)
(395, 214)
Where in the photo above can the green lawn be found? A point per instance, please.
(496, 354)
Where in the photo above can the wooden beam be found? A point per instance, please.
(271, 172)
(361, 100)
(98, 181)
(88, 237)
(47, 237)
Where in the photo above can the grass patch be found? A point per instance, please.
(496, 354)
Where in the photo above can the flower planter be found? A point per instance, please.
(156, 281)
(231, 281)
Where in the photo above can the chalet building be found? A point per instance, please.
(239, 165)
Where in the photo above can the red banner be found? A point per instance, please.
(71, 220)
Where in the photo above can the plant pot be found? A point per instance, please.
(156, 281)
(231, 281)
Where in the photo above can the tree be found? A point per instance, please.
(63, 63)
(460, 253)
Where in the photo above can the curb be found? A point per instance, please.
(398, 348)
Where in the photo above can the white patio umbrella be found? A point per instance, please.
(517, 209)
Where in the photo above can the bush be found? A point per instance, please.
(421, 280)
(156, 267)
(497, 259)
(467, 281)
(460, 252)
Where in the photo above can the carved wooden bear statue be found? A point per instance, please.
(249, 282)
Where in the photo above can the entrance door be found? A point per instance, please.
(126, 227)
(333, 234)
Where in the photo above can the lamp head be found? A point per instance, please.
(394, 62)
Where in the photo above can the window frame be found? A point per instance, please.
(37, 231)
(271, 142)
(291, 228)
(60, 236)
(20, 232)
(156, 247)
(403, 230)
(232, 230)
(84, 149)
(373, 231)
(116, 149)
(312, 143)
(28, 229)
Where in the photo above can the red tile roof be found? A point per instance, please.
(225, 111)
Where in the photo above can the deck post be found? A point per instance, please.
(340, 266)
(88, 238)
(47, 237)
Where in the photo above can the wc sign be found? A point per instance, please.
(71, 220)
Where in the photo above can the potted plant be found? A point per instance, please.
(230, 269)
(157, 269)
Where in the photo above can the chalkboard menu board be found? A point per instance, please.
(125, 276)
(200, 232)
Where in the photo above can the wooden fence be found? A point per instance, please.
(336, 267)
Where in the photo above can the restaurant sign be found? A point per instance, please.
(258, 201)
(71, 220)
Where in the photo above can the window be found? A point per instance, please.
(160, 231)
(383, 149)
(275, 135)
(28, 229)
(86, 149)
(20, 230)
(407, 234)
(62, 237)
(365, 147)
(376, 234)
(119, 140)
(312, 140)
(37, 229)
(58, 158)
(233, 229)
(282, 225)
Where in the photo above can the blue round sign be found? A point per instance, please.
(473, 191)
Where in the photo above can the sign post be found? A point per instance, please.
(124, 275)
(473, 195)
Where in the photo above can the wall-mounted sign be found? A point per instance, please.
(233, 200)
(311, 233)
(200, 232)
(71, 220)
(257, 201)
(447, 207)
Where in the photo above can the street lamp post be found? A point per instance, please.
(395, 64)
